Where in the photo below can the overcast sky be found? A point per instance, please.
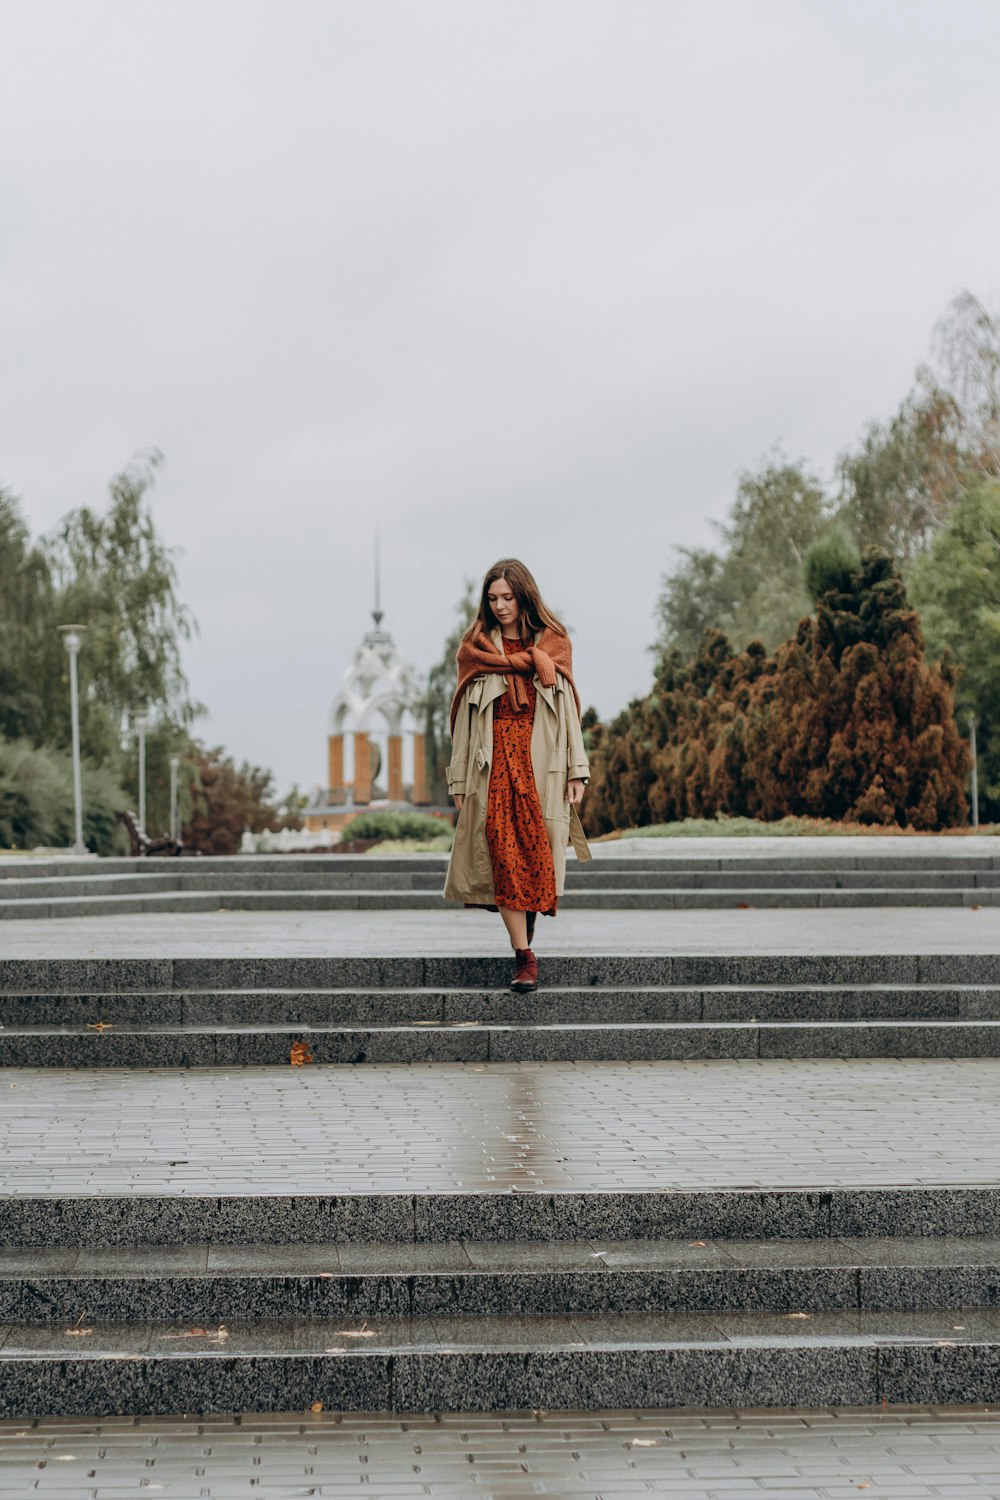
(529, 277)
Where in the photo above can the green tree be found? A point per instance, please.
(968, 349)
(439, 690)
(753, 587)
(113, 573)
(956, 586)
(695, 597)
(897, 488)
(830, 563)
(225, 799)
(163, 739)
(26, 613)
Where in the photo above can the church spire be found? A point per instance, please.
(377, 611)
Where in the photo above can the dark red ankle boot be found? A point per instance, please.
(529, 922)
(525, 970)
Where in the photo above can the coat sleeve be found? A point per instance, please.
(457, 771)
(577, 763)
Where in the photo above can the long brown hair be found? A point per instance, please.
(535, 613)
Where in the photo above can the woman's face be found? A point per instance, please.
(503, 604)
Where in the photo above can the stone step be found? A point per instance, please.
(46, 976)
(584, 1362)
(622, 899)
(580, 880)
(208, 1284)
(585, 879)
(104, 1045)
(58, 1221)
(550, 1005)
(795, 854)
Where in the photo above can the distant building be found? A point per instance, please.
(375, 747)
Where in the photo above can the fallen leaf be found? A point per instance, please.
(364, 1332)
(78, 1333)
(221, 1333)
(973, 908)
(696, 1242)
(316, 1406)
(99, 1025)
(743, 906)
(300, 1054)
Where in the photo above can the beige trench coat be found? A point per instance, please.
(557, 756)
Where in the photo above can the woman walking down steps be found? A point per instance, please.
(518, 765)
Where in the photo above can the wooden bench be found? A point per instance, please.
(140, 842)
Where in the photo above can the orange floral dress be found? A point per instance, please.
(524, 877)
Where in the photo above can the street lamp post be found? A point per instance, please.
(175, 831)
(71, 640)
(140, 719)
(975, 771)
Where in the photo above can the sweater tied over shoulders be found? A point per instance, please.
(550, 653)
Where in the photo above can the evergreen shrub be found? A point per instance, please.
(395, 825)
(845, 720)
(36, 801)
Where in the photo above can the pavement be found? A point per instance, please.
(300, 934)
(454, 1127)
(910, 1453)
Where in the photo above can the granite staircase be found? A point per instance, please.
(486, 1302)
(661, 881)
(231, 1012)
(164, 1298)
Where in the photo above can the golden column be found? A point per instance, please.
(362, 768)
(335, 751)
(395, 746)
(420, 796)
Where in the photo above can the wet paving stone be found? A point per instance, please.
(531, 1127)
(907, 1453)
